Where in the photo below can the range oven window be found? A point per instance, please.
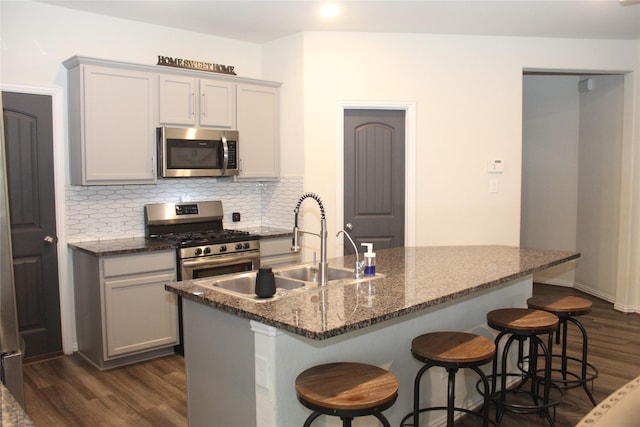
(193, 154)
(208, 266)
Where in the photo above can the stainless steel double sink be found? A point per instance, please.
(289, 280)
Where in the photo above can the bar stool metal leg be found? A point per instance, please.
(585, 364)
(524, 325)
(567, 308)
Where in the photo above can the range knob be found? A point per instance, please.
(198, 251)
(222, 248)
(207, 250)
(246, 245)
(238, 246)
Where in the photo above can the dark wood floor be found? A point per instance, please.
(614, 348)
(67, 391)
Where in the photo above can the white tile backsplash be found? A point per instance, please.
(108, 212)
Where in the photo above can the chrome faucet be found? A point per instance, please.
(359, 265)
(323, 235)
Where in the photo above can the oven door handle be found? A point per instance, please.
(220, 260)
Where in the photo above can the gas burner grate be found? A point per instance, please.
(196, 238)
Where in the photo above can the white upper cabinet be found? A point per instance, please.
(217, 104)
(186, 101)
(258, 124)
(115, 108)
(112, 116)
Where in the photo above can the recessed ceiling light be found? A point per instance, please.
(329, 10)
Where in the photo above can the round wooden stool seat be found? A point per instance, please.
(561, 306)
(522, 321)
(453, 347)
(452, 351)
(347, 390)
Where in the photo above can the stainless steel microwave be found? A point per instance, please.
(197, 152)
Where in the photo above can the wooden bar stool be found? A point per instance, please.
(566, 308)
(346, 390)
(523, 324)
(452, 351)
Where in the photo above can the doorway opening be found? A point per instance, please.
(572, 175)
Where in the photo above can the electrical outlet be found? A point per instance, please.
(235, 216)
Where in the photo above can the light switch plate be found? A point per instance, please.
(493, 186)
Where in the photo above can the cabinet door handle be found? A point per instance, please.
(204, 105)
(193, 104)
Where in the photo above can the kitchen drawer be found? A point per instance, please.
(120, 265)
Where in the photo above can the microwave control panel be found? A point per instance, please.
(233, 155)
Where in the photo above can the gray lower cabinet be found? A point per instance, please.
(123, 313)
(276, 251)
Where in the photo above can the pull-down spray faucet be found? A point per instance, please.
(323, 235)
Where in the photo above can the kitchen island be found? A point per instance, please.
(242, 356)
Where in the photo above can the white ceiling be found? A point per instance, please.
(263, 21)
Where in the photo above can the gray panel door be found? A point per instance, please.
(374, 177)
(29, 153)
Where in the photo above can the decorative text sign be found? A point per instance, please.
(195, 65)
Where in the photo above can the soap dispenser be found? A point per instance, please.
(369, 260)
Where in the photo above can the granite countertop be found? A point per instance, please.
(12, 413)
(130, 245)
(120, 246)
(415, 279)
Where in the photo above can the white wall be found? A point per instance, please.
(37, 37)
(468, 92)
(628, 286)
(550, 137)
(454, 137)
(599, 185)
(283, 61)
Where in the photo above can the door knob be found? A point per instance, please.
(48, 240)
(349, 226)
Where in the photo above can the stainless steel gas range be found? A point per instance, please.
(204, 247)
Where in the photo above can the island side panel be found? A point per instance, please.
(219, 364)
(282, 356)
